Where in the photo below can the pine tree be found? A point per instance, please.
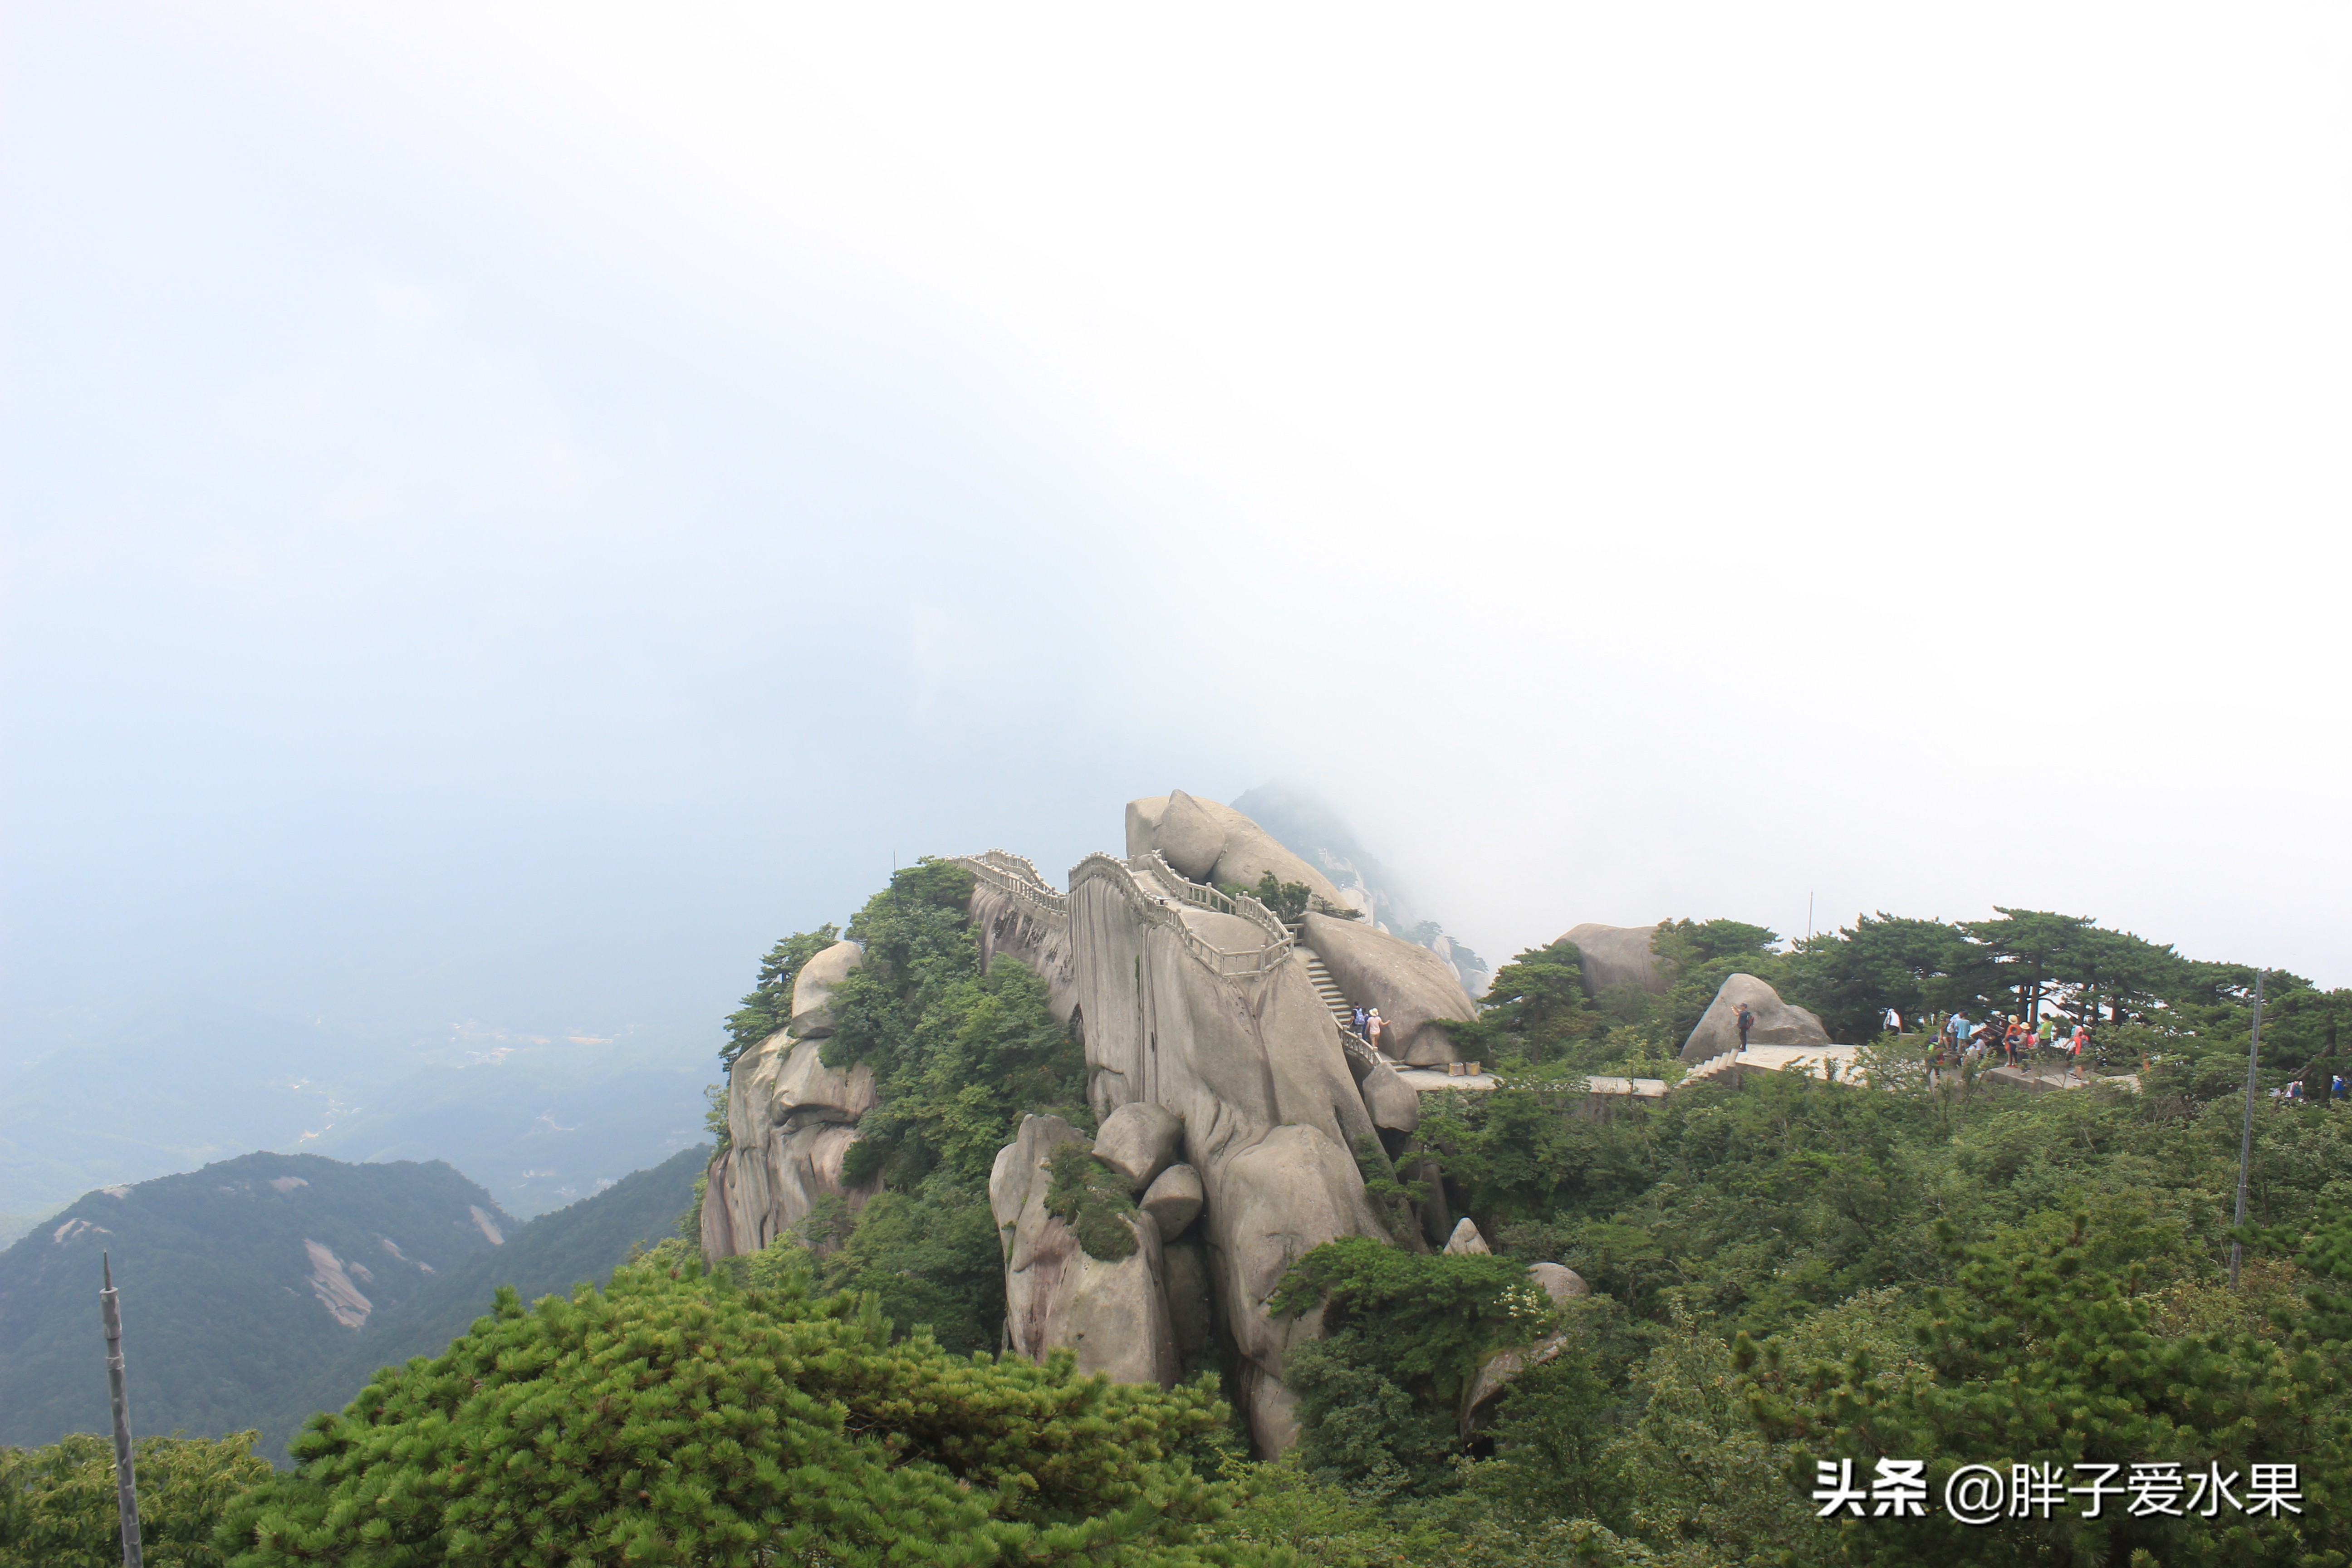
(676, 1418)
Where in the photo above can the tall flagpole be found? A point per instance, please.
(126, 1492)
(2246, 1139)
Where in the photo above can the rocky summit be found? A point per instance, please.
(1238, 1108)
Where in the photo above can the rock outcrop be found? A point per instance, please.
(1113, 1313)
(1618, 955)
(1777, 1022)
(790, 1121)
(1197, 1019)
(1227, 1103)
(1211, 842)
(1562, 1285)
(1413, 987)
(1466, 1241)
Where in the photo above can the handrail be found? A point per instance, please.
(1247, 906)
(1245, 965)
(1019, 880)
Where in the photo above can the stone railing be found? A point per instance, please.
(1247, 964)
(1248, 908)
(1018, 880)
(1356, 1046)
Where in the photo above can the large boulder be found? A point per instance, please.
(813, 986)
(1413, 987)
(1563, 1284)
(1392, 1104)
(1187, 837)
(1466, 1241)
(1143, 822)
(1777, 1022)
(1139, 1142)
(1250, 852)
(1618, 955)
(802, 1088)
(1209, 841)
(1173, 1200)
(1558, 1281)
(1111, 1312)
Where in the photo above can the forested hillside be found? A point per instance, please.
(233, 1317)
(236, 1280)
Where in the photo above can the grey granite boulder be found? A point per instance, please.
(1777, 1022)
(1139, 1140)
(1111, 1312)
(1466, 1241)
(1187, 837)
(812, 989)
(1173, 1200)
(1413, 987)
(1143, 822)
(1618, 955)
(1393, 1105)
(1558, 1281)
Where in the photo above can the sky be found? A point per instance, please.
(510, 508)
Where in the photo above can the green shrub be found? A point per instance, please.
(679, 1419)
(1092, 1199)
(58, 1505)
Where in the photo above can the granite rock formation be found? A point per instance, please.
(1618, 955)
(1227, 1100)
(1778, 1023)
(790, 1121)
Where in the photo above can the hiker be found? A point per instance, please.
(1373, 1025)
(2046, 1036)
(1894, 1021)
(1960, 1028)
(2081, 1062)
(2012, 1040)
(1746, 1018)
(1356, 1020)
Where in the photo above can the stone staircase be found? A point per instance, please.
(1343, 1012)
(1712, 1069)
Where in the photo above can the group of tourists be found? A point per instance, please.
(1369, 1023)
(2015, 1041)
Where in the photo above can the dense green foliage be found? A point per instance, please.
(1093, 1200)
(958, 1057)
(679, 1418)
(2046, 1351)
(1403, 1335)
(58, 1507)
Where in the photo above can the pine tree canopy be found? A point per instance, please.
(679, 1418)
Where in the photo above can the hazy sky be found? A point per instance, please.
(510, 509)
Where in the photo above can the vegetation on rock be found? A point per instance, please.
(1091, 1199)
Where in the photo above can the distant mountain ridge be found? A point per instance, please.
(539, 1121)
(259, 1288)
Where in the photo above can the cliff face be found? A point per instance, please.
(1203, 1015)
(790, 1121)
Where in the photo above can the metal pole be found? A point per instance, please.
(2246, 1137)
(126, 1492)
